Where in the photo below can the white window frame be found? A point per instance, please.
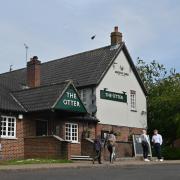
(7, 127)
(70, 138)
(133, 100)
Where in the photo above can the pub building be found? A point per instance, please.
(57, 108)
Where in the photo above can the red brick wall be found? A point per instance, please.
(76, 149)
(82, 126)
(122, 149)
(123, 132)
(46, 147)
(66, 150)
(14, 148)
(87, 148)
(33, 72)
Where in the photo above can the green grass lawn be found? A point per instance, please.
(33, 161)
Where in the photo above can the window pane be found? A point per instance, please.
(71, 132)
(133, 99)
(8, 126)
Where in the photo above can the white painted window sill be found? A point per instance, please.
(8, 138)
(72, 142)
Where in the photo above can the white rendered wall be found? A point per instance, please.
(119, 113)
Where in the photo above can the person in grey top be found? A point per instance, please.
(110, 142)
(145, 144)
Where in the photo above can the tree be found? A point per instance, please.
(163, 102)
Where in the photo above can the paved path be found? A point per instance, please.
(86, 165)
(163, 171)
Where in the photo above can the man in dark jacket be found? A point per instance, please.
(98, 148)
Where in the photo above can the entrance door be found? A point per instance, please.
(41, 128)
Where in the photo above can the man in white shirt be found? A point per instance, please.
(157, 141)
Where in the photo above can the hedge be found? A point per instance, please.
(170, 153)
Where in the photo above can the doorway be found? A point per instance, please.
(41, 127)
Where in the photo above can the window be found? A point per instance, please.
(71, 132)
(83, 96)
(104, 134)
(133, 100)
(8, 127)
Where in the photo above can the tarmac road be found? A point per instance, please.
(150, 172)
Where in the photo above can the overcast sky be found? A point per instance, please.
(56, 28)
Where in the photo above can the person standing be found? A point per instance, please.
(98, 148)
(145, 144)
(110, 141)
(157, 142)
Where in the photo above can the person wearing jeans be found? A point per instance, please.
(97, 147)
(110, 141)
(111, 149)
(145, 144)
(157, 142)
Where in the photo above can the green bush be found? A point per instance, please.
(170, 153)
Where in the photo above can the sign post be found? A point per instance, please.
(138, 150)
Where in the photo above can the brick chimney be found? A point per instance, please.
(33, 72)
(116, 36)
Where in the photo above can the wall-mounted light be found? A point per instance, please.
(143, 112)
(20, 116)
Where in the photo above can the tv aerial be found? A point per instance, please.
(26, 48)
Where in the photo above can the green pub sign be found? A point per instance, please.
(70, 101)
(113, 96)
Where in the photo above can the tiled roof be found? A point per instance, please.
(84, 69)
(40, 98)
(8, 102)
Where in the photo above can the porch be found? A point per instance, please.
(57, 134)
(55, 147)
